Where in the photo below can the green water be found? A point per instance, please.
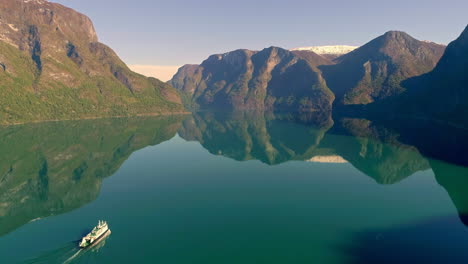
(242, 188)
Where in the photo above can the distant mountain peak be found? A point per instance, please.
(374, 71)
(333, 49)
(396, 33)
(35, 1)
(432, 42)
(328, 52)
(395, 38)
(273, 50)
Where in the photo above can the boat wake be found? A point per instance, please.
(70, 253)
(70, 259)
(64, 254)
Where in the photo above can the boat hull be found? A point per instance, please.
(104, 236)
(98, 239)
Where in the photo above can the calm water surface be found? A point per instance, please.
(240, 188)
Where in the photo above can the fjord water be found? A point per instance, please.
(237, 188)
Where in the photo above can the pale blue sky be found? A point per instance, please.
(176, 32)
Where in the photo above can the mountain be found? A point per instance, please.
(315, 60)
(53, 67)
(273, 78)
(375, 71)
(328, 52)
(186, 80)
(303, 79)
(443, 92)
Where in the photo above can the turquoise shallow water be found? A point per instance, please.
(175, 192)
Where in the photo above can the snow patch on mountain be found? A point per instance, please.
(324, 50)
(35, 1)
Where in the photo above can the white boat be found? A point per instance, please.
(98, 232)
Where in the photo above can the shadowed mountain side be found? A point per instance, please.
(52, 168)
(255, 136)
(442, 93)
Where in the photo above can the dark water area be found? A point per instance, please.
(247, 187)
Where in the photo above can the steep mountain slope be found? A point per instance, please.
(443, 93)
(315, 60)
(53, 67)
(329, 52)
(273, 78)
(375, 70)
(186, 80)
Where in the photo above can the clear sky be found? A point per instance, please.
(177, 32)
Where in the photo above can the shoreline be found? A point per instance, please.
(93, 118)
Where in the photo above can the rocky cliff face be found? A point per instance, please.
(53, 67)
(273, 78)
(315, 60)
(375, 71)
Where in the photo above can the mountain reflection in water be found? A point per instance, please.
(388, 155)
(53, 168)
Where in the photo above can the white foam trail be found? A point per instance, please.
(72, 257)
